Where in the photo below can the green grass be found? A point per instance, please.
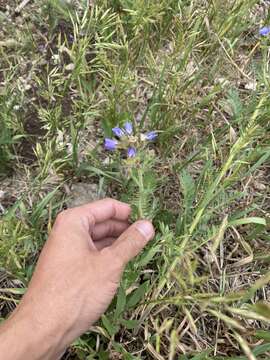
(196, 71)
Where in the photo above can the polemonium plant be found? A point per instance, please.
(128, 140)
(137, 167)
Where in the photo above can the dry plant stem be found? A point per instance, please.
(198, 73)
(21, 6)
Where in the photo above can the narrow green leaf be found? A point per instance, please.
(121, 303)
(147, 256)
(137, 295)
(129, 324)
(111, 328)
(263, 334)
(261, 349)
(262, 308)
(202, 356)
(248, 220)
(43, 203)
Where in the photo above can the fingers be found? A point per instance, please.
(109, 228)
(106, 209)
(101, 244)
(132, 241)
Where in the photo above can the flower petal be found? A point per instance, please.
(118, 132)
(129, 128)
(265, 31)
(110, 144)
(131, 152)
(152, 135)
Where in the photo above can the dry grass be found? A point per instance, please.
(196, 71)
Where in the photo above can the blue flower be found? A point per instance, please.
(152, 135)
(131, 152)
(129, 128)
(265, 31)
(118, 132)
(110, 144)
(126, 139)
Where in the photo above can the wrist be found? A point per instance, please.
(24, 337)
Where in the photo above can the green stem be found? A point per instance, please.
(141, 188)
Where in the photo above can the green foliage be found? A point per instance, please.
(140, 186)
(197, 72)
(11, 130)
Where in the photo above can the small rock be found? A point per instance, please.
(70, 67)
(259, 186)
(252, 85)
(83, 193)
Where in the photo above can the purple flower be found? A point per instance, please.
(110, 144)
(118, 132)
(265, 31)
(129, 128)
(131, 152)
(152, 135)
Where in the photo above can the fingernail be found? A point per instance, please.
(146, 229)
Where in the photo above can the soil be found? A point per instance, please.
(33, 130)
(83, 193)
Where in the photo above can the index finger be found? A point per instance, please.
(106, 209)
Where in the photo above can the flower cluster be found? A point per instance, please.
(264, 31)
(126, 139)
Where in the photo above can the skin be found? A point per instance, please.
(75, 280)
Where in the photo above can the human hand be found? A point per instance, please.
(76, 278)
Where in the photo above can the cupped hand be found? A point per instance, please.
(77, 275)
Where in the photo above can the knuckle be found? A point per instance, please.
(62, 215)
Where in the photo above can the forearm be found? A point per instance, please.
(21, 337)
(76, 277)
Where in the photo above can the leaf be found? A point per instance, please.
(190, 321)
(263, 334)
(249, 314)
(93, 171)
(43, 203)
(262, 308)
(249, 220)
(244, 345)
(121, 303)
(189, 191)
(261, 349)
(147, 256)
(188, 188)
(262, 160)
(202, 356)
(129, 324)
(235, 103)
(220, 235)
(137, 295)
(109, 326)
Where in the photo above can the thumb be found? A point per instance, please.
(133, 240)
